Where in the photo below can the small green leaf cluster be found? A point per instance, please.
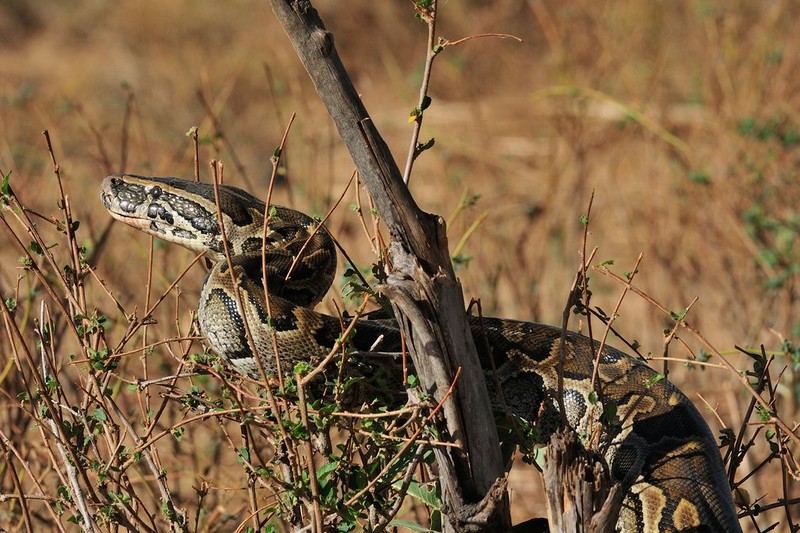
(775, 128)
(777, 239)
(417, 111)
(90, 325)
(101, 360)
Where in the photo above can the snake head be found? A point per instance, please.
(198, 215)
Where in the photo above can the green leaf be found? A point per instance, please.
(629, 275)
(426, 493)
(747, 126)
(178, 432)
(700, 176)
(677, 317)
(5, 188)
(653, 380)
(302, 368)
(426, 102)
(325, 470)
(421, 147)
(165, 508)
(429, 495)
(244, 453)
(52, 384)
(413, 526)
(609, 413)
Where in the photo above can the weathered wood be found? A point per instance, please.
(423, 289)
(578, 495)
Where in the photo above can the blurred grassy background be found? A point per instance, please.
(683, 117)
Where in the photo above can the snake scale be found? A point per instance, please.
(660, 448)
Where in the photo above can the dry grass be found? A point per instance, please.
(681, 117)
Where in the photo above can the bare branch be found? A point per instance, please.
(439, 336)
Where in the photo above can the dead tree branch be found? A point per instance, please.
(422, 287)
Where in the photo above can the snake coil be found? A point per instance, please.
(658, 445)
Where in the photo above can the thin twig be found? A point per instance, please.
(429, 15)
(72, 475)
(411, 441)
(404, 484)
(711, 349)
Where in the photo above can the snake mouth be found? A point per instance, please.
(134, 221)
(109, 195)
(130, 219)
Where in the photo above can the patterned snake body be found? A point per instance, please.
(658, 445)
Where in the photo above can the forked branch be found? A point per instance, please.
(422, 287)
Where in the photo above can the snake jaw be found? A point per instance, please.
(118, 213)
(149, 205)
